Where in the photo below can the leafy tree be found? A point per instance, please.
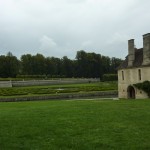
(38, 64)
(50, 68)
(27, 64)
(67, 67)
(88, 65)
(114, 63)
(9, 65)
(3, 66)
(82, 64)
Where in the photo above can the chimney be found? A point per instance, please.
(146, 49)
(131, 52)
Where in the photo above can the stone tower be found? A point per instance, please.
(146, 49)
(131, 52)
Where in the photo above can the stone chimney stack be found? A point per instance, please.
(146, 49)
(131, 52)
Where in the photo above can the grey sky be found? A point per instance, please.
(61, 27)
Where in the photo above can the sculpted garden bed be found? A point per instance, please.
(57, 89)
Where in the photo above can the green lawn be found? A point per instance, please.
(75, 125)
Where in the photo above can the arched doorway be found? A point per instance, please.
(131, 92)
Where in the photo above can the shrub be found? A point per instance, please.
(145, 86)
(110, 77)
(31, 76)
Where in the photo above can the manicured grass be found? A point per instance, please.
(76, 125)
(53, 89)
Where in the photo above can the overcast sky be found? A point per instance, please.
(62, 27)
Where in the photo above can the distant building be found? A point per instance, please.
(134, 69)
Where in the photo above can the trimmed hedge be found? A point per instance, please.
(74, 88)
(110, 77)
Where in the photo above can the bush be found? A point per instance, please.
(31, 76)
(145, 86)
(110, 77)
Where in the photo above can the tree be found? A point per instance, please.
(10, 65)
(33, 65)
(3, 66)
(67, 67)
(88, 65)
(38, 64)
(115, 62)
(82, 64)
(91, 64)
(27, 64)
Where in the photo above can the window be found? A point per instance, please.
(139, 73)
(122, 75)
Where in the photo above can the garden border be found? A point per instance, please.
(100, 94)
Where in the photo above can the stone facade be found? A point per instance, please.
(135, 69)
(132, 76)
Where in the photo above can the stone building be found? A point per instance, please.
(134, 69)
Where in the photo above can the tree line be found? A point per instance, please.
(88, 65)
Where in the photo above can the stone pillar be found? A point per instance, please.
(146, 49)
(131, 52)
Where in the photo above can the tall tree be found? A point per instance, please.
(39, 65)
(115, 62)
(67, 67)
(82, 63)
(85, 64)
(27, 64)
(9, 65)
